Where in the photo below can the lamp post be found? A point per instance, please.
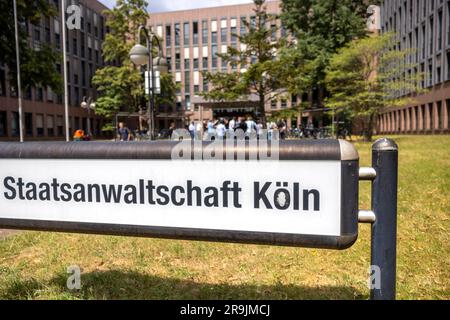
(89, 105)
(140, 56)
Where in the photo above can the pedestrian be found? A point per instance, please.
(171, 129)
(282, 128)
(210, 130)
(78, 135)
(221, 129)
(259, 130)
(124, 132)
(251, 128)
(192, 130)
(198, 131)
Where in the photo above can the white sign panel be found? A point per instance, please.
(292, 197)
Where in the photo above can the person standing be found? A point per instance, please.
(192, 130)
(198, 131)
(124, 132)
(221, 129)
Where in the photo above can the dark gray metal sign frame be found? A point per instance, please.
(383, 216)
(162, 150)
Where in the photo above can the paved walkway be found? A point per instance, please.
(6, 233)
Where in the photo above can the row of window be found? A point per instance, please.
(225, 29)
(44, 125)
(428, 38)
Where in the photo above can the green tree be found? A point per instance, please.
(321, 27)
(119, 83)
(369, 75)
(258, 55)
(37, 66)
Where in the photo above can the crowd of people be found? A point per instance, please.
(231, 127)
(223, 127)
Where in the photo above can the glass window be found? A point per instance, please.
(195, 32)
(3, 128)
(204, 31)
(177, 34)
(186, 33)
(168, 35)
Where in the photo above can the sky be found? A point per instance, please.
(174, 5)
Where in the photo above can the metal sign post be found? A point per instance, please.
(384, 230)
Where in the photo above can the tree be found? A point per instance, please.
(321, 28)
(258, 55)
(37, 66)
(369, 75)
(120, 84)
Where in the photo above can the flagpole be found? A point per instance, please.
(19, 82)
(66, 93)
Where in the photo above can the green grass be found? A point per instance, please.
(33, 264)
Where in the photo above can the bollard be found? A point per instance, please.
(384, 230)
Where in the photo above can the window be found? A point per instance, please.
(177, 61)
(186, 33)
(3, 128)
(243, 26)
(204, 31)
(273, 104)
(206, 86)
(431, 38)
(195, 32)
(40, 125)
(50, 126)
(187, 82)
(2, 82)
(439, 31)
(223, 30)
(177, 34)
(168, 36)
(75, 46)
(448, 65)
(39, 94)
(195, 64)
(187, 99)
(28, 124)
(214, 52)
(205, 63)
(273, 29)
(15, 124)
(233, 34)
(60, 125)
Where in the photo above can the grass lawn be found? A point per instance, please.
(33, 265)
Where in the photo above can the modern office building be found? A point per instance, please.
(423, 25)
(191, 40)
(43, 109)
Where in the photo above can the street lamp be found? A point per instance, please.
(143, 55)
(89, 105)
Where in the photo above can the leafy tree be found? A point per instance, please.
(120, 83)
(369, 75)
(258, 55)
(37, 66)
(321, 27)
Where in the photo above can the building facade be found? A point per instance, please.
(422, 25)
(43, 110)
(191, 40)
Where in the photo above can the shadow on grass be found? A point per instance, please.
(135, 286)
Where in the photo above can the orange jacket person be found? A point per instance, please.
(79, 135)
